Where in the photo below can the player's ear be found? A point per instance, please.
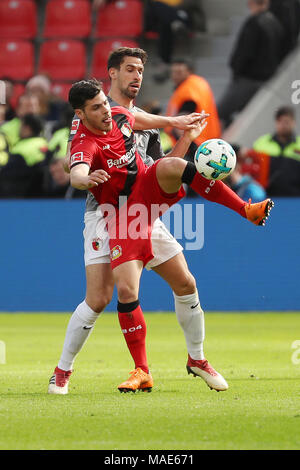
(112, 72)
(79, 113)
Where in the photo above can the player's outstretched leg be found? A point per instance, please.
(259, 212)
(172, 172)
(217, 191)
(203, 369)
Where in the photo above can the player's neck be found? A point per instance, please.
(92, 129)
(119, 98)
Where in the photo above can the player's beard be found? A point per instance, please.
(129, 94)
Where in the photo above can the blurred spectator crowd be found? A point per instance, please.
(33, 142)
(35, 117)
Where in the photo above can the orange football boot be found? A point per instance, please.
(138, 380)
(259, 212)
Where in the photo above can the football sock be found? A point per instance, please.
(191, 319)
(133, 327)
(79, 328)
(213, 190)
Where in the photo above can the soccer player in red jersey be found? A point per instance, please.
(125, 66)
(104, 160)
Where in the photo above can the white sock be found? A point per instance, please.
(191, 319)
(79, 328)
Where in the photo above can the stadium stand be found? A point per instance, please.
(63, 60)
(18, 19)
(101, 51)
(67, 19)
(16, 59)
(122, 18)
(257, 117)
(69, 40)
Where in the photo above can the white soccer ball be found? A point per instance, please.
(215, 159)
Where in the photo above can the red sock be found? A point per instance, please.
(133, 326)
(213, 190)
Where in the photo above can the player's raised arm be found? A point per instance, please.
(81, 178)
(145, 121)
(183, 144)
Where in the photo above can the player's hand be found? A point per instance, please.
(189, 121)
(96, 177)
(198, 128)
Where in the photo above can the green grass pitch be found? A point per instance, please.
(261, 409)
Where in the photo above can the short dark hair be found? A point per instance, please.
(117, 56)
(186, 62)
(34, 122)
(82, 91)
(285, 111)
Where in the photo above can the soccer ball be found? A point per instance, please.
(215, 159)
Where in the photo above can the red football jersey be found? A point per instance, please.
(115, 152)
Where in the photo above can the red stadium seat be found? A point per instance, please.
(105, 86)
(16, 59)
(18, 90)
(67, 19)
(18, 19)
(120, 18)
(63, 60)
(61, 89)
(101, 52)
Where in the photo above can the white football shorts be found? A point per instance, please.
(96, 242)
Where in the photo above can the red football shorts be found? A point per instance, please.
(130, 230)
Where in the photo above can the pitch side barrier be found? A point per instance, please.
(238, 266)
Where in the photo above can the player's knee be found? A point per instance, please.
(98, 303)
(186, 286)
(126, 293)
(171, 167)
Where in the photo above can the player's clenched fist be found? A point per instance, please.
(82, 179)
(97, 177)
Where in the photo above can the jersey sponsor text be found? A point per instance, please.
(124, 160)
